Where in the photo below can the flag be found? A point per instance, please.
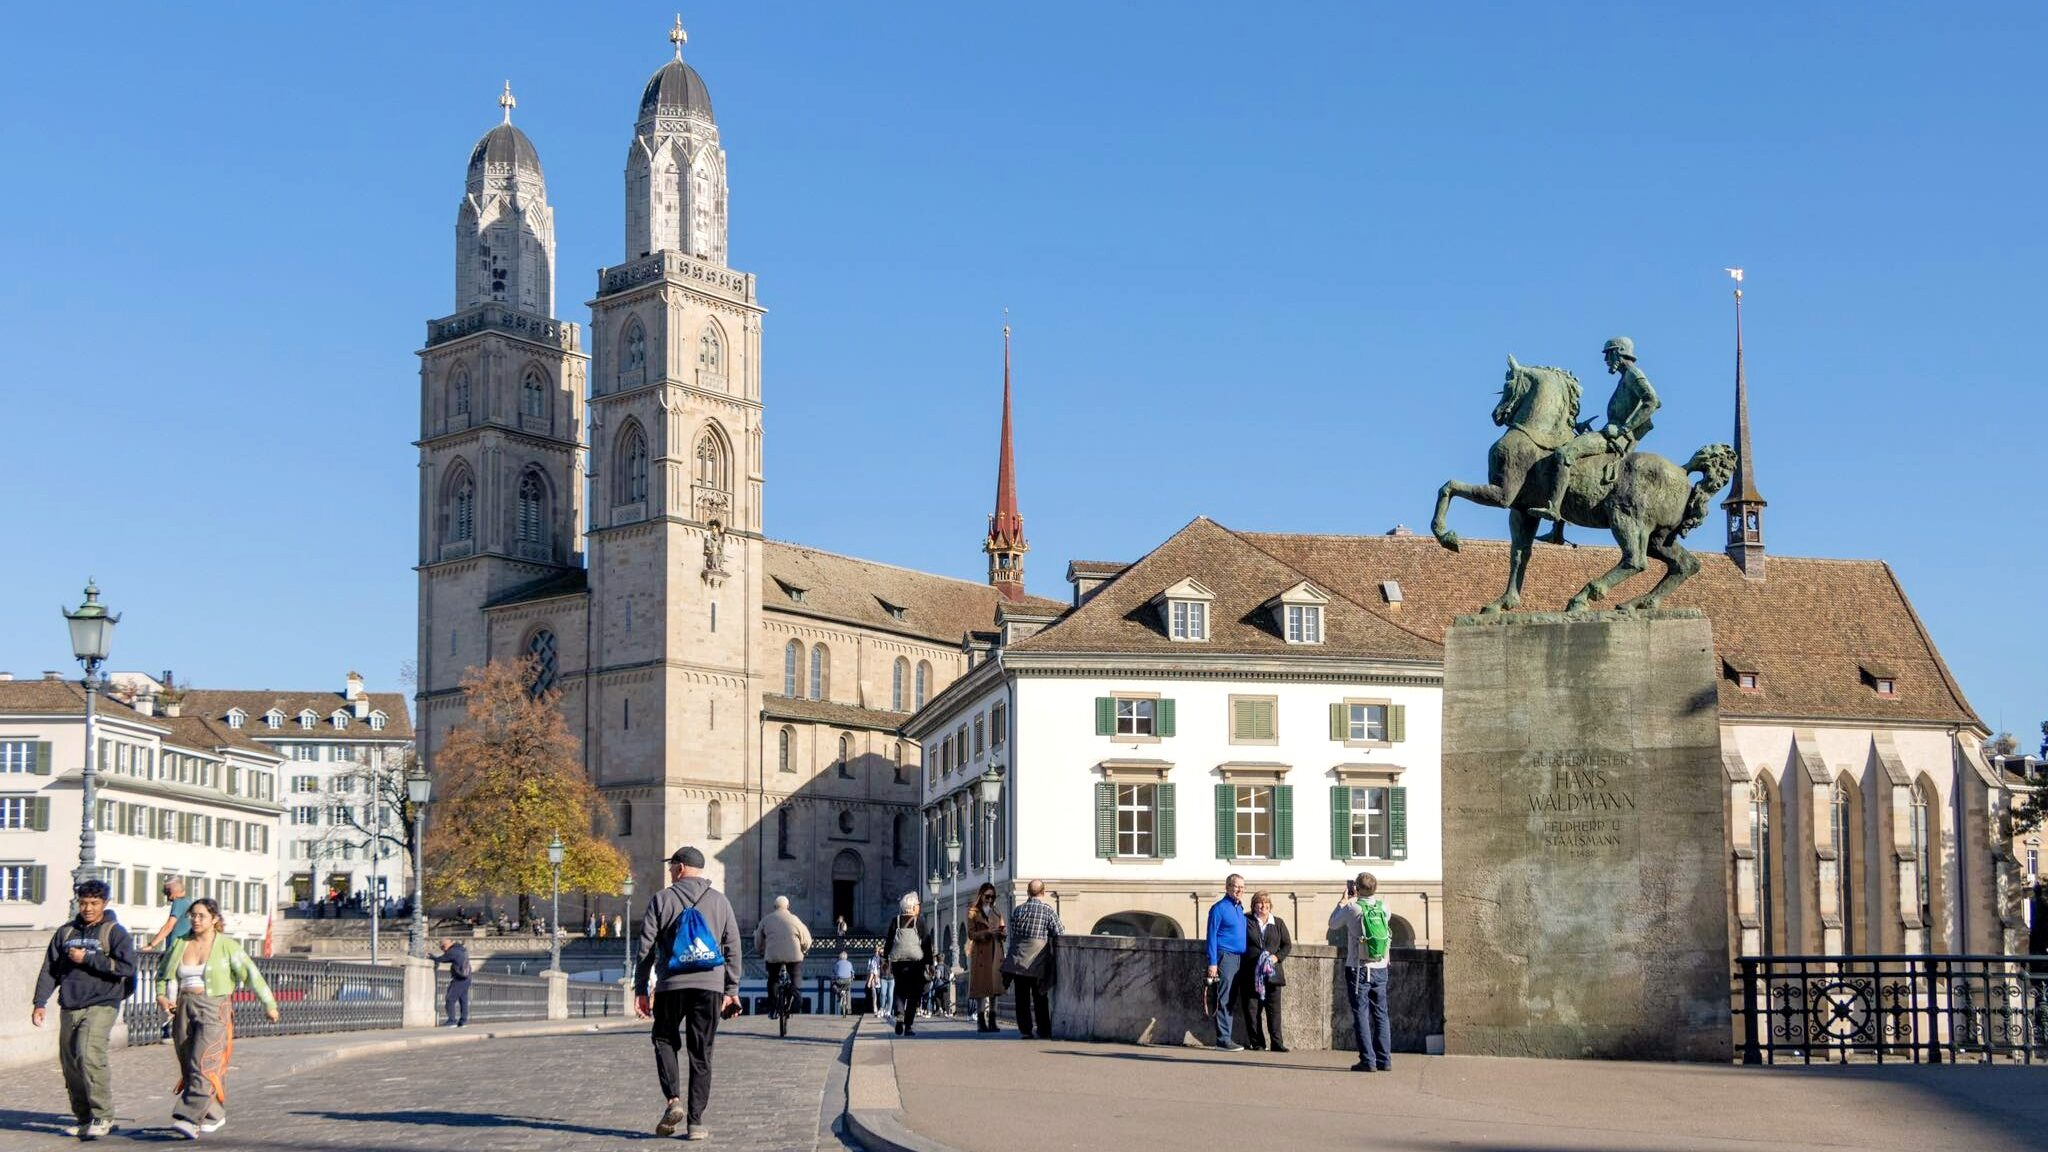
(1735, 273)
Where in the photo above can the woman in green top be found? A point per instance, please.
(196, 984)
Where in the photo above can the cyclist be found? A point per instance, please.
(781, 939)
(842, 984)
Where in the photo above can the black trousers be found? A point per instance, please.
(1261, 1018)
(909, 989)
(456, 1003)
(686, 1019)
(1032, 1005)
(796, 988)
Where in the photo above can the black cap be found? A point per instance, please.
(687, 857)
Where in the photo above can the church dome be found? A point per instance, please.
(504, 145)
(676, 90)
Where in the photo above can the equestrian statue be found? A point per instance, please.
(1549, 466)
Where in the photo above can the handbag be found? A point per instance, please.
(1029, 959)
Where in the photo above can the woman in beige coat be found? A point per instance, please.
(985, 932)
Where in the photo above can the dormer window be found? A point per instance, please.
(339, 719)
(895, 611)
(1886, 686)
(377, 720)
(795, 594)
(1184, 610)
(1745, 680)
(237, 717)
(1298, 613)
(1743, 671)
(273, 719)
(307, 719)
(1881, 678)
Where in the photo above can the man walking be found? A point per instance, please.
(90, 964)
(456, 1003)
(1226, 954)
(179, 923)
(1034, 925)
(1364, 933)
(781, 939)
(690, 932)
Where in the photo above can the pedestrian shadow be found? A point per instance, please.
(435, 1118)
(18, 1120)
(1223, 1061)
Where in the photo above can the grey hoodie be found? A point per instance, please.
(657, 929)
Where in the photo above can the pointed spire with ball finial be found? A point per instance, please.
(1745, 504)
(1005, 544)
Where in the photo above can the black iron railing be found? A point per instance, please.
(312, 996)
(494, 997)
(1922, 1009)
(591, 999)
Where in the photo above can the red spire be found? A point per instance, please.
(1005, 544)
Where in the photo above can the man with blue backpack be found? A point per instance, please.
(1363, 933)
(690, 932)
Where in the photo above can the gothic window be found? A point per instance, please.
(896, 758)
(533, 509)
(1843, 828)
(541, 647)
(924, 679)
(1760, 847)
(845, 756)
(896, 678)
(714, 821)
(533, 396)
(462, 498)
(821, 671)
(710, 353)
(785, 750)
(459, 392)
(710, 462)
(1920, 833)
(792, 665)
(632, 482)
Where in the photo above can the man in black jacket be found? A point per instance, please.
(91, 967)
(689, 996)
(456, 957)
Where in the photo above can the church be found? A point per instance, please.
(592, 498)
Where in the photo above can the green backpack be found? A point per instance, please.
(1376, 935)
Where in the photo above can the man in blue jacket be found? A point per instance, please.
(1226, 954)
(90, 965)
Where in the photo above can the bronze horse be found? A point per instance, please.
(1643, 498)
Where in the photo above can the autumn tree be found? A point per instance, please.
(507, 781)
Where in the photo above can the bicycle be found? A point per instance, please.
(783, 996)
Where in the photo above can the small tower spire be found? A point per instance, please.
(506, 102)
(678, 37)
(1745, 505)
(1005, 544)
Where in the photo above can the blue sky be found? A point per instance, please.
(1263, 265)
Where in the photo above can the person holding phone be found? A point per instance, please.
(688, 1000)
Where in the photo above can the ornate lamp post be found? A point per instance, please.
(419, 788)
(92, 635)
(555, 922)
(626, 925)
(953, 852)
(990, 789)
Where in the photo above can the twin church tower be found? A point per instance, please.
(601, 512)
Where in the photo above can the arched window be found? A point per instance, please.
(846, 755)
(785, 750)
(782, 851)
(541, 646)
(632, 352)
(458, 392)
(1920, 833)
(714, 821)
(1760, 847)
(896, 759)
(462, 504)
(533, 509)
(533, 395)
(1843, 830)
(632, 481)
(924, 680)
(710, 352)
(821, 668)
(710, 461)
(897, 676)
(792, 668)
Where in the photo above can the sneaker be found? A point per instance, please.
(672, 1118)
(186, 1129)
(213, 1125)
(1230, 1047)
(97, 1129)
(697, 1132)
(1363, 1066)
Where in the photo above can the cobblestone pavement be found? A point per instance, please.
(585, 1091)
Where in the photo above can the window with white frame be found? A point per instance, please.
(305, 783)
(1304, 624)
(339, 719)
(237, 717)
(1366, 723)
(1254, 821)
(377, 721)
(1190, 619)
(306, 814)
(20, 883)
(1137, 819)
(307, 719)
(1134, 716)
(305, 751)
(1371, 824)
(273, 718)
(18, 812)
(17, 756)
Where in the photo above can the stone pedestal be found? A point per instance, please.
(1585, 838)
(418, 1008)
(558, 994)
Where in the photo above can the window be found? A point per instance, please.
(998, 725)
(1919, 832)
(1134, 717)
(339, 719)
(1304, 624)
(1366, 722)
(1886, 686)
(821, 667)
(1190, 619)
(273, 718)
(1137, 816)
(1254, 720)
(344, 784)
(533, 396)
(1254, 821)
(899, 839)
(710, 353)
(785, 750)
(980, 734)
(792, 667)
(924, 677)
(237, 717)
(1368, 824)
(899, 673)
(1745, 680)
(845, 822)
(946, 757)
(461, 390)
(541, 646)
(710, 462)
(633, 471)
(782, 851)
(626, 713)
(714, 821)
(533, 516)
(21, 883)
(1760, 848)
(307, 719)
(633, 354)
(377, 721)
(464, 521)
(2033, 860)
(896, 759)
(1842, 837)
(24, 756)
(845, 756)
(29, 813)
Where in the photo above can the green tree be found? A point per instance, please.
(508, 781)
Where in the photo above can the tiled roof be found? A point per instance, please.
(1096, 567)
(63, 698)
(852, 591)
(207, 735)
(827, 712)
(1807, 630)
(214, 704)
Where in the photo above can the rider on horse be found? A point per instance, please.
(1628, 421)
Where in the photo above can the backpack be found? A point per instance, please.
(693, 947)
(1376, 935)
(106, 938)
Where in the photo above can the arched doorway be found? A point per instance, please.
(846, 876)
(1404, 932)
(1141, 925)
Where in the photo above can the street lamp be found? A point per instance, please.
(555, 923)
(419, 788)
(92, 635)
(626, 925)
(990, 788)
(953, 853)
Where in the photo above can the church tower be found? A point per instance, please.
(501, 415)
(1005, 544)
(675, 518)
(1744, 505)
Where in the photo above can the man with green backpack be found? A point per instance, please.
(1364, 934)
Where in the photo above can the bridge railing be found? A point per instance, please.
(1879, 1008)
(312, 996)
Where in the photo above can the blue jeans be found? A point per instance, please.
(1226, 971)
(887, 997)
(1366, 988)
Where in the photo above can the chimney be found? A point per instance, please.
(174, 704)
(355, 687)
(47, 675)
(166, 678)
(145, 703)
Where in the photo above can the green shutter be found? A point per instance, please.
(1240, 719)
(35, 883)
(1340, 722)
(1164, 841)
(39, 813)
(1105, 820)
(1105, 715)
(1340, 821)
(1283, 821)
(1165, 718)
(1397, 823)
(1226, 822)
(1397, 722)
(41, 765)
